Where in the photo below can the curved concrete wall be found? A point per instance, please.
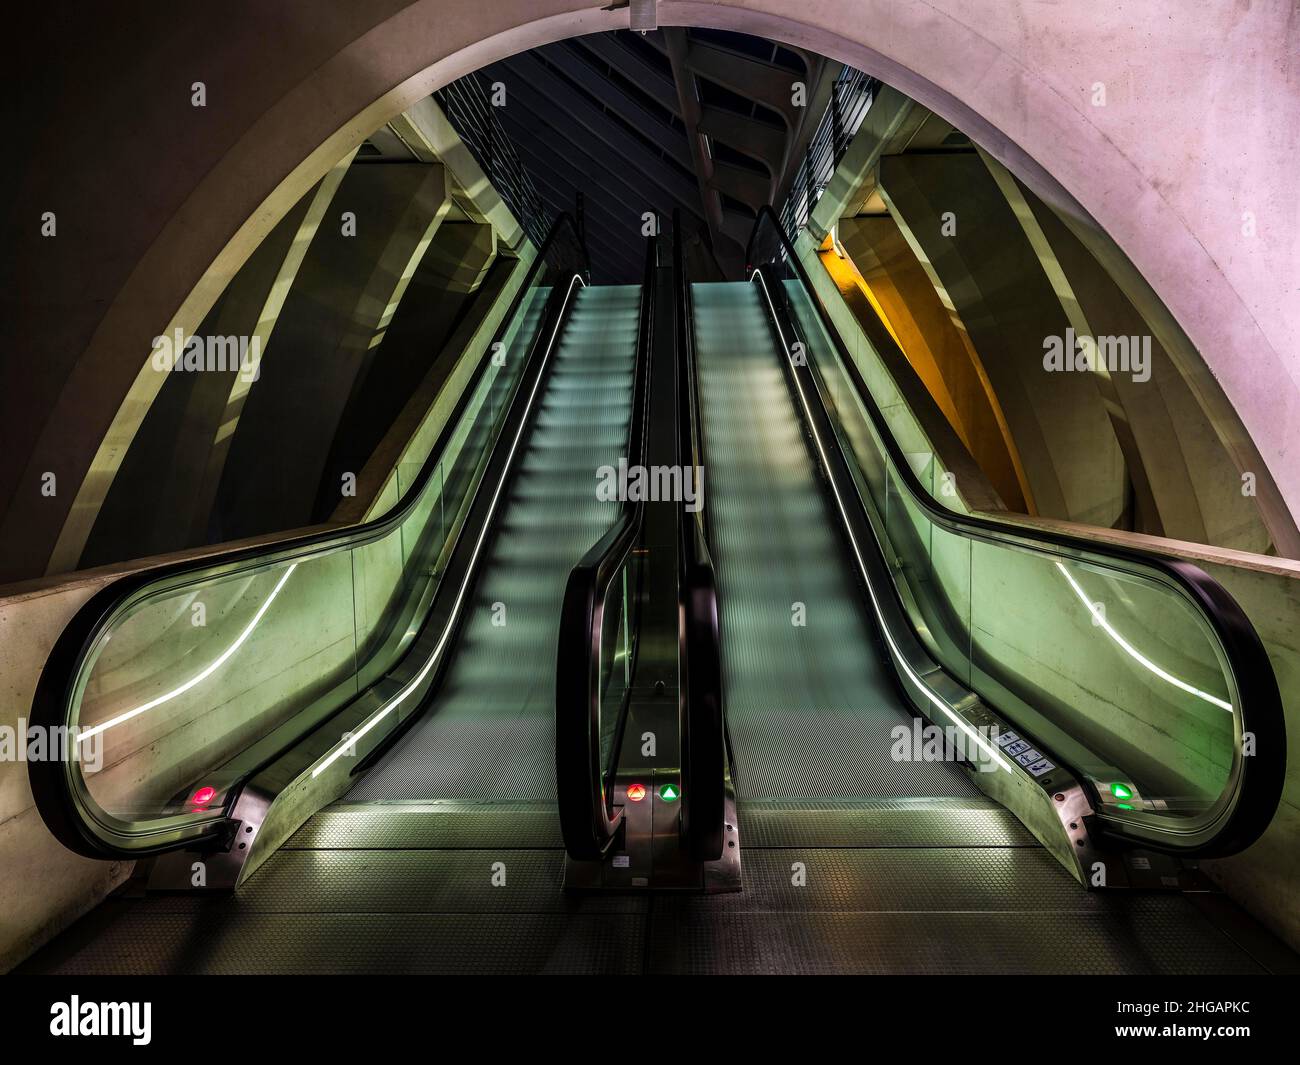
(1195, 145)
(1188, 165)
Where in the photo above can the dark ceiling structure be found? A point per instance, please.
(710, 123)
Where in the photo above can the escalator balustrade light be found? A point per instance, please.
(203, 796)
(212, 667)
(670, 793)
(1121, 791)
(1124, 805)
(635, 792)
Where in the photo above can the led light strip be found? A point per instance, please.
(1099, 616)
(925, 689)
(103, 726)
(348, 743)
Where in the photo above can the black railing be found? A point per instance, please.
(703, 711)
(852, 95)
(467, 103)
(590, 704)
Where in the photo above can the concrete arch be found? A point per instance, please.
(305, 88)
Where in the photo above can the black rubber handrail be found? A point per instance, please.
(703, 713)
(589, 820)
(67, 811)
(1249, 806)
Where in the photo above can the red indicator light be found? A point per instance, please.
(203, 796)
(635, 792)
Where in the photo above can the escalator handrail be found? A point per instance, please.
(1258, 779)
(62, 806)
(703, 716)
(589, 821)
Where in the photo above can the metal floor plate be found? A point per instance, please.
(430, 826)
(943, 822)
(138, 941)
(394, 888)
(699, 942)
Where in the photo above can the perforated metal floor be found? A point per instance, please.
(396, 889)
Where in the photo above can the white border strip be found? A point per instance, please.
(1099, 617)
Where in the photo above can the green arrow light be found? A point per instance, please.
(1120, 791)
(669, 793)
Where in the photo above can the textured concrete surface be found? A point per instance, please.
(1195, 141)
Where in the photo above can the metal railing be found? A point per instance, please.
(851, 98)
(467, 102)
(602, 601)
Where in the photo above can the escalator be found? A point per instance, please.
(438, 847)
(865, 848)
(517, 726)
(810, 704)
(493, 729)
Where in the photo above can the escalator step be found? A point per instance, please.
(490, 733)
(882, 823)
(810, 706)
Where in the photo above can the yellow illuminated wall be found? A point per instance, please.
(890, 294)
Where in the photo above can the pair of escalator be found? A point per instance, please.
(847, 634)
(829, 626)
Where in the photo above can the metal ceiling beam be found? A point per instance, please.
(725, 249)
(608, 254)
(757, 139)
(655, 82)
(600, 200)
(741, 184)
(821, 83)
(545, 86)
(630, 110)
(574, 108)
(766, 83)
(591, 158)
